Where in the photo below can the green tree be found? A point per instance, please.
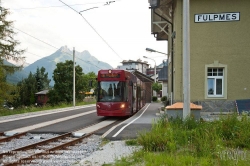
(27, 90)
(8, 50)
(87, 78)
(42, 81)
(63, 87)
(29, 86)
(157, 87)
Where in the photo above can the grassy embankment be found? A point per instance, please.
(222, 142)
(6, 112)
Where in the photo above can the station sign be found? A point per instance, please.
(217, 17)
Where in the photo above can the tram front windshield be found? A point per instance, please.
(111, 91)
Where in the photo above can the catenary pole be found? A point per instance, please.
(74, 82)
(186, 58)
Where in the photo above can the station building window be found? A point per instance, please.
(216, 81)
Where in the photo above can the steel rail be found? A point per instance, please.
(31, 146)
(6, 139)
(49, 151)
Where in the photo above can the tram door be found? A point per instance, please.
(134, 98)
(131, 97)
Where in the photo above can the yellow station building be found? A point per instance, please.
(219, 50)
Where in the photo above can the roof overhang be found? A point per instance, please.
(143, 77)
(161, 19)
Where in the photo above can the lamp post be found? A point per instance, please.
(155, 66)
(151, 50)
(155, 72)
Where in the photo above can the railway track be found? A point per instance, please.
(2, 135)
(44, 149)
(5, 138)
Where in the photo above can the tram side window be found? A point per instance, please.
(101, 93)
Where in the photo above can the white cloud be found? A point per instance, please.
(124, 25)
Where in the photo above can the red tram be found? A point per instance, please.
(119, 93)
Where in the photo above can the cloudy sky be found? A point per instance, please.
(112, 33)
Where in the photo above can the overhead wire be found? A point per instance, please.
(107, 3)
(43, 7)
(36, 38)
(38, 55)
(54, 47)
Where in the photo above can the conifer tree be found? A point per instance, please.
(42, 81)
(8, 50)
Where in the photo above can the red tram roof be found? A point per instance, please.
(112, 74)
(122, 75)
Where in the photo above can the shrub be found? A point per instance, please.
(154, 98)
(164, 98)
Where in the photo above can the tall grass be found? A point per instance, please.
(189, 142)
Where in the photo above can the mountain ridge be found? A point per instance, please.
(84, 59)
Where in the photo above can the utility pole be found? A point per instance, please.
(74, 80)
(186, 58)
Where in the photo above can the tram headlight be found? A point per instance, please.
(122, 105)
